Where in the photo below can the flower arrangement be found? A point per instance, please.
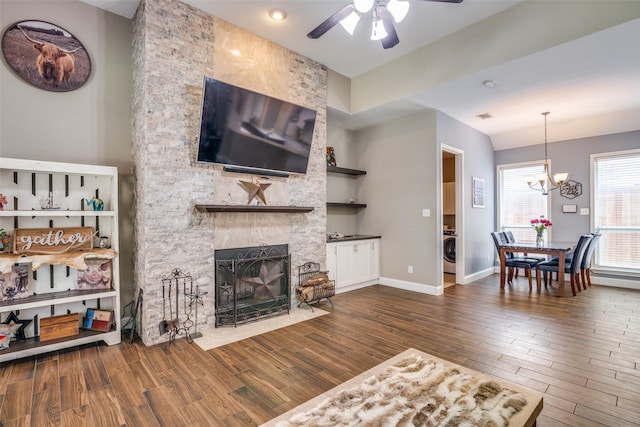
(540, 224)
(3, 201)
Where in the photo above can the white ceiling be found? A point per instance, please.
(591, 84)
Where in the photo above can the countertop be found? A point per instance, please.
(351, 237)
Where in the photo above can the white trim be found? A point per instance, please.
(614, 282)
(479, 275)
(460, 210)
(500, 188)
(422, 288)
(592, 211)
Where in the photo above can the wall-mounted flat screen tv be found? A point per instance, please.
(245, 129)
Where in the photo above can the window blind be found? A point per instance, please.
(616, 204)
(519, 204)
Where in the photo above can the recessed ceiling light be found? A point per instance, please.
(277, 14)
(489, 84)
(235, 52)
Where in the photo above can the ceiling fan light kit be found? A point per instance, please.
(349, 23)
(377, 30)
(399, 9)
(363, 6)
(385, 12)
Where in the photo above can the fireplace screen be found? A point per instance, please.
(252, 283)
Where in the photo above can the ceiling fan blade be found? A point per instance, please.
(331, 21)
(387, 20)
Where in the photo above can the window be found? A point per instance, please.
(615, 189)
(517, 203)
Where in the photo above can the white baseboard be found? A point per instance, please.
(412, 286)
(477, 276)
(353, 287)
(615, 282)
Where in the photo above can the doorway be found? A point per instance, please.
(451, 215)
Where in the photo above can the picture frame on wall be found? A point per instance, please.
(46, 56)
(477, 192)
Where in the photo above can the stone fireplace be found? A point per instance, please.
(252, 283)
(174, 47)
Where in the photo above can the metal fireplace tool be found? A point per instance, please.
(176, 280)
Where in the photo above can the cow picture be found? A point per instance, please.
(14, 284)
(46, 56)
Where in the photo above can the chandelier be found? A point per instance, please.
(397, 8)
(545, 182)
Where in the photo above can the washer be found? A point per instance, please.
(449, 251)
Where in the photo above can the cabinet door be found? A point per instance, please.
(332, 260)
(375, 259)
(344, 264)
(449, 198)
(361, 265)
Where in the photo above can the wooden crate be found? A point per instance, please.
(62, 326)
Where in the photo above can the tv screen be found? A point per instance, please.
(246, 129)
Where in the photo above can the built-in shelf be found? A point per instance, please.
(257, 209)
(51, 298)
(345, 171)
(346, 205)
(32, 346)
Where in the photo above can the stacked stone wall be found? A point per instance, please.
(175, 46)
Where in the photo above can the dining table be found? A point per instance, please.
(552, 248)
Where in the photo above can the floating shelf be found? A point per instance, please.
(345, 171)
(346, 205)
(256, 209)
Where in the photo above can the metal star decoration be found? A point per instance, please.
(20, 324)
(264, 284)
(255, 189)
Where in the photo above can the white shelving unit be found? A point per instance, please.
(53, 288)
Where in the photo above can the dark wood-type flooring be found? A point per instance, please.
(582, 353)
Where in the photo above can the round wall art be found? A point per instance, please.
(46, 56)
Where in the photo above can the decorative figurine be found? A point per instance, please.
(96, 203)
(47, 203)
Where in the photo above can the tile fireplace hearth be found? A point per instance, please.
(251, 283)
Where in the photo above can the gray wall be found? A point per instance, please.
(90, 125)
(401, 159)
(574, 157)
(477, 223)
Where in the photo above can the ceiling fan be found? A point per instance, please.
(384, 13)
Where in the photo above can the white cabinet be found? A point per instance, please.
(43, 195)
(353, 264)
(449, 198)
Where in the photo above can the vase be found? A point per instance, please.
(540, 238)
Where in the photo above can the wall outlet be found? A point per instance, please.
(410, 269)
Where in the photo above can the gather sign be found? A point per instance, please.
(51, 240)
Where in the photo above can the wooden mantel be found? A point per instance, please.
(256, 209)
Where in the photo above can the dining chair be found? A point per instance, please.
(511, 261)
(512, 239)
(571, 266)
(585, 267)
